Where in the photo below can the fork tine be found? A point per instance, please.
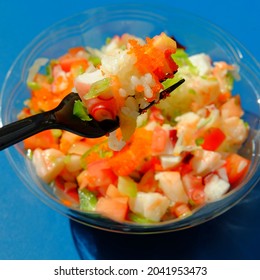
(163, 94)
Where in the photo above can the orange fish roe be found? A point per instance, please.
(133, 155)
(149, 58)
(139, 88)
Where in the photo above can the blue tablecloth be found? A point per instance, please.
(30, 230)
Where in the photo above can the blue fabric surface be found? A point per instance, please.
(30, 230)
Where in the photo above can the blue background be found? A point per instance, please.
(30, 230)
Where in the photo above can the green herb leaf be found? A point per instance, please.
(80, 111)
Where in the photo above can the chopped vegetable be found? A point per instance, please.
(87, 200)
(179, 155)
(236, 167)
(43, 140)
(98, 88)
(113, 208)
(212, 138)
(127, 186)
(80, 111)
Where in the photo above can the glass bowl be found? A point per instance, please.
(91, 28)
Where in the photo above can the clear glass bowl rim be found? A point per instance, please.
(94, 220)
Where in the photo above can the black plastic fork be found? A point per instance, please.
(62, 117)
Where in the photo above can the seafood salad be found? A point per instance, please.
(161, 165)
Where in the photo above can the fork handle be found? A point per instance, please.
(17, 131)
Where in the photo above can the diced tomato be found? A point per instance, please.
(113, 208)
(159, 140)
(173, 136)
(59, 182)
(71, 193)
(224, 96)
(212, 138)
(236, 167)
(113, 192)
(156, 115)
(42, 140)
(67, 60)
(185, 168)
(99, 174)
(148, 182)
